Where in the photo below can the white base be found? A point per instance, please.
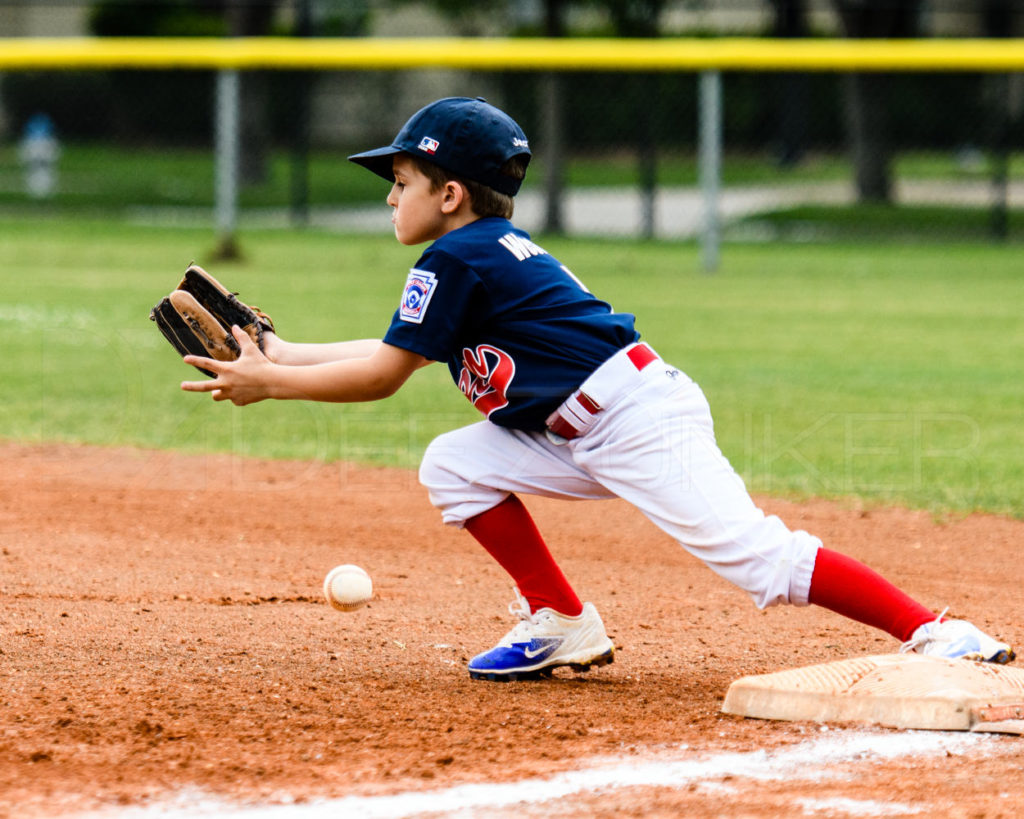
(892, 690)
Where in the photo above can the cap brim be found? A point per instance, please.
(379, 160)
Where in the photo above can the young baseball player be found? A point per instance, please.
(576, 406)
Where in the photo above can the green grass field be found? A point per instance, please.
(890, 373)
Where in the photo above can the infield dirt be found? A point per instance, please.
(163, 629)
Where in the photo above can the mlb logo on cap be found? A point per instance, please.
(429, 145)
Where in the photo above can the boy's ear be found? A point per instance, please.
(453, 195)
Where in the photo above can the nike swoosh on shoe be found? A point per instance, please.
(539, 648)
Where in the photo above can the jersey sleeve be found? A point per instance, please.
(436, 304)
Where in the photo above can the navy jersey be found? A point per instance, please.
(518, 331)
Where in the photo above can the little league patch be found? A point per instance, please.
(419, 287)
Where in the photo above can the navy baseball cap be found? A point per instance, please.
(467, 137)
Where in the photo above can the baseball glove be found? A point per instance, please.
(198, 314)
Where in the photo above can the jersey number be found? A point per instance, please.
(485, 376)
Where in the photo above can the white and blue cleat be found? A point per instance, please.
(957, 640)
(543, 641)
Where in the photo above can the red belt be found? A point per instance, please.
(641, 355)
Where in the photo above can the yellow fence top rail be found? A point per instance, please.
(526, 54)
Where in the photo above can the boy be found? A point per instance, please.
(576, 407)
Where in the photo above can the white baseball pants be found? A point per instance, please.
(653, 445)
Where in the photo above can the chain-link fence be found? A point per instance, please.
(808, 156)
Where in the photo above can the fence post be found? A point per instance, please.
(226, 117)
(709, 164)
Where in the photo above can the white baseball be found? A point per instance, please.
(348, 587)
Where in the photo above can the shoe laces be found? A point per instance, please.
(928, 636)
(520, 607)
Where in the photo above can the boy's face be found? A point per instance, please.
(417, 215)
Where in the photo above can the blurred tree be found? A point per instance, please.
(178, 92)
(552, 133)
(550, 142)
(641, 18)
(468, 18)
(184, 108)
(865, 102)
(997, 21)
(790, 20)
(252, 18)
(634, 18)
(628, 18)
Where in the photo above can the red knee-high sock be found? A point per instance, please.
(848, 587)
(511, 537)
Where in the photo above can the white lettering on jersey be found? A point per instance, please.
(519, 247)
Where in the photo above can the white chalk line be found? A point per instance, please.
(59, 326)
(858, 807)
(46, 316)
(808, 761)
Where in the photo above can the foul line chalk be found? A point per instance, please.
(807, 761)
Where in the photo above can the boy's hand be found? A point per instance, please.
(242, 381)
